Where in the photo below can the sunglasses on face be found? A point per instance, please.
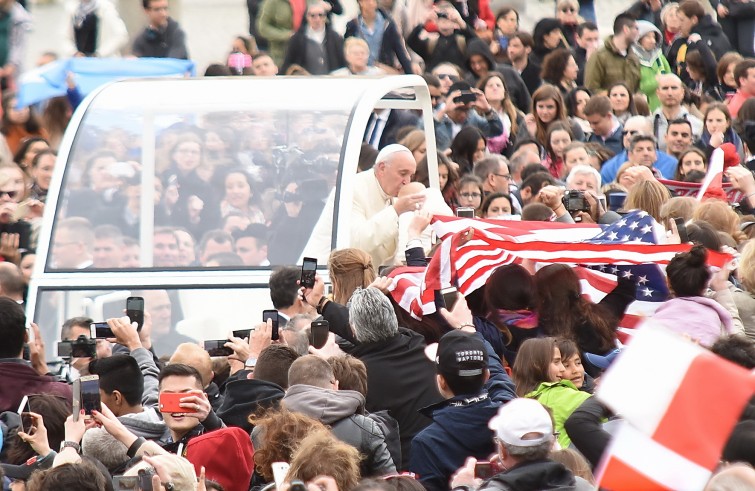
(11, 194)
(444, 76)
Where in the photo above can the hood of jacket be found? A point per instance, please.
(536, 474)
(243, 397)
(707, 27)
(148, 424)
(325, 405)
(700, 317)
(648, 57)
(479, 47)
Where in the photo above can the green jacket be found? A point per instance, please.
(276, 24)
(648, 81)
(562, 398)
(607, 66)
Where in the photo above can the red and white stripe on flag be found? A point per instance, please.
(682, 399)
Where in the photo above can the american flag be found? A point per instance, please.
(472, 249)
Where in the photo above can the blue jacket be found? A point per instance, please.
(614, 142)
(459, 429)
(490, 126)
(665, 163)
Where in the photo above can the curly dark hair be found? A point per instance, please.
(554, 65)
(282, 432)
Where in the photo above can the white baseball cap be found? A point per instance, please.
(522, 422)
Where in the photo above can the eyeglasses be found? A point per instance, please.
(568, 10)
(470, 195)
(505, 176)
(315, 16)
(452, 78)
(11, 194)
(630, 132)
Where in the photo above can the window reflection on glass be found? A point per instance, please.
(172, 316)
(231, 189)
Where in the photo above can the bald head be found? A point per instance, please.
(412, 188)
(735, 477)
(636, 125)
(194, 356)
(670, 90)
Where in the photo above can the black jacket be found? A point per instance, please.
(400, 378)
(296, 53)
(444, 49)
(535, 475)
(161, 43)
(392, 46)
(585, 429)
(713, 36)
(245, 396)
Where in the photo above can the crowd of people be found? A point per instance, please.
(492, 391)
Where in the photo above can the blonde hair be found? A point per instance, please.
(649, 196)
(413, 140)
(353, 42)
(349, 269)
(678, 207)
(322, 454)
(575, 462)
(746, 269)
(721, 217)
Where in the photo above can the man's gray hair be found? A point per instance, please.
(489, 165)
(98, 444)
(526, 454)
(583, 170)
(371, 315)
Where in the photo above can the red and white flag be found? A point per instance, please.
(679, 402)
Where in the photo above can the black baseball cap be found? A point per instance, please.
(461, 354)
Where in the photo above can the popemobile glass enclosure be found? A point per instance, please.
(201, 155)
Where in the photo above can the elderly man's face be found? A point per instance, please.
(396, 173)
(316, 17)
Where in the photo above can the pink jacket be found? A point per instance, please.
(703, 319)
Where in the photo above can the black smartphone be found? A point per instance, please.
(465, 97)
(135, 311)
(27, 352)
(308, 271)
(681, 228)
(100, 330)
(90, 394)
(216, 347)
(450, 297)
(272, 315)
(242, 333)
(483, 470)
(465, 212)
(318, 333)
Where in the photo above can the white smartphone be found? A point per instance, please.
(280, 470)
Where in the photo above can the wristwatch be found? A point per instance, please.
(73, 445)
(250, 363)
